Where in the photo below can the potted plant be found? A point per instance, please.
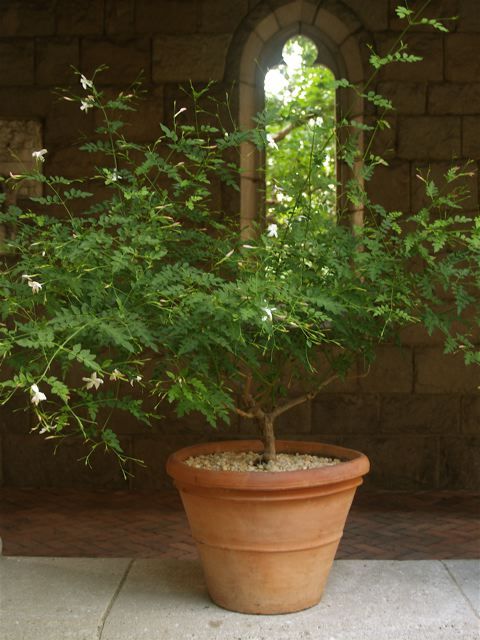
(129, 284)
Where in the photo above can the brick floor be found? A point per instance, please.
(381, 525)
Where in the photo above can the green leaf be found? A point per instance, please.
(403, 12)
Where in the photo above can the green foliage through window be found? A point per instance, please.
(300, 127)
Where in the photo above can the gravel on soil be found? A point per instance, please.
(251, 461)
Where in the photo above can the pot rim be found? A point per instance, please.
(354, 465)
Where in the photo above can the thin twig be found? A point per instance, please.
(300, 399)
(244, 414)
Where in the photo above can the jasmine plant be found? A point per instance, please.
(130, 288)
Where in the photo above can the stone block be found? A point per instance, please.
(79, 17)
(459, 463)
(126, 58)
(168, 16)
(15, 416)
(32, 461)
(72, 163)
(143, 125)
(218, 103)
(16, 62)
(470, 418)
(436, 171)
(64, 126)
(462, 62)
(332, 25)
(294, 422)
(154, 451)
(54, 59)
(343, 414)
(199, 58)
(267, 28)
(221, 17)
(390, 186)
(120, 17)
(436, 372)
(193, 424)
(333, 15)
(20, 18)
(373, 15)
(290, 425)
(453, 98)
(391, 372)
(416, 335)
(471, 137)
(356, 66)
(468, 16)
(429, 137)
(408, 98)
(289, 14)
(349, 384)
(384, 140)
(19, 138)
(250, 71)
(421, 414)
(249, 428)
(428, 46)
(398, 462)
(25, 102)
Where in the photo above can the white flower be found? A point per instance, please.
(271, 141)
(93, 381)
(268, 311)
(87, 104)
(86, 84)
(36, 286)
(136, 379)
(37, 395)
(26, 277)
(115, 375)
(38, 155)
(180, 111)
(272, 230)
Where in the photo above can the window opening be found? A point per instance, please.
(300, 127)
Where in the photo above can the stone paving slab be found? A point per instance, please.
(467, 576)
(108, 599)
(57, 598)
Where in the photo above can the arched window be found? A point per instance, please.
(300, 124)
(337, 44)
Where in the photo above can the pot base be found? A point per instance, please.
(266, 583)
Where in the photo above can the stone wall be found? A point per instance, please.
(417, 415)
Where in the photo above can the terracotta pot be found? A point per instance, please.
(267, 540)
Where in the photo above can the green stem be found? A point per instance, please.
(60, 348)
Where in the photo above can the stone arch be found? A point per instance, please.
(335, 31)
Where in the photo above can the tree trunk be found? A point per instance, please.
(268, 437)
